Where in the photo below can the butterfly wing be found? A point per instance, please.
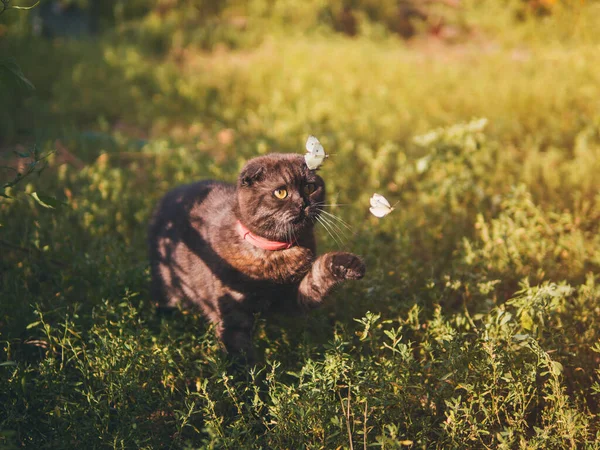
(313, 161)
(313, 146)
(315, 153)
(380, 211)
(380, 207)
(379, 201)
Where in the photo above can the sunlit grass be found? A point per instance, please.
(476, 325)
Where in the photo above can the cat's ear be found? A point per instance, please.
(252, 173)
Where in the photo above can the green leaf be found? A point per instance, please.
(520, 337)
(31, 325)
(448, 375)
(526, 321)
(505, 318)
(556, 368)
(46, 201)
(25, 7)
(8, 363)
(11, 72)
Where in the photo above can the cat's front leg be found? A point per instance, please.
(289, 266)
(234, 330)
(327, 271)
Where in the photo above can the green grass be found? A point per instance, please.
(477, 323)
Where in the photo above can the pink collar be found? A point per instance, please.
(261, 242)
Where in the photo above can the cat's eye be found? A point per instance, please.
(280, 193)
(309, 188)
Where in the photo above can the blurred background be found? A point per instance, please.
(481, 118)
(156, 69)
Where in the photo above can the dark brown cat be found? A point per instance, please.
(238, 250)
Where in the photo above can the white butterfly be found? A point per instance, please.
(380, 207)
(315, 154)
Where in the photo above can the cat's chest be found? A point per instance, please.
(287, 265)
(280, 267)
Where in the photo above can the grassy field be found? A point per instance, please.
(478, 323)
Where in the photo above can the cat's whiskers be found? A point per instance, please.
(289, 228)
(329, 231)
(339, 219)
(331, 204)
(320, 220)
(336, 229)
(336, 224)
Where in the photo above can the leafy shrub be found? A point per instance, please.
(477, 323)
(525, 241)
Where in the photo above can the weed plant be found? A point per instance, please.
(477, 323)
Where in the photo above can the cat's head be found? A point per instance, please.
(278, 197)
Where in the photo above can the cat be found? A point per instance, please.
(235, 250)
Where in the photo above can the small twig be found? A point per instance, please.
(6, 6)
(346, 413)
(9, 168)
(365, 426)
(348, 421)
(37, 159)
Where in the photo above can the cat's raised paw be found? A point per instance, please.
(347, 266)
